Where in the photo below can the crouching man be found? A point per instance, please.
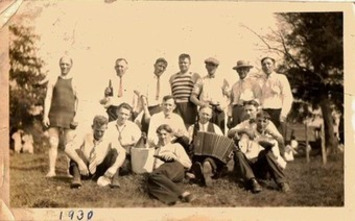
(258, 154)
(95, 156)
(164, 183)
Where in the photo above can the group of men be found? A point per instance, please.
(170, 111)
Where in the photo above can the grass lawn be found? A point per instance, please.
(311, 184)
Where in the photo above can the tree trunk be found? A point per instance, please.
(331, 141)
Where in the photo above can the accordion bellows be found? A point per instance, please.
(213, 145)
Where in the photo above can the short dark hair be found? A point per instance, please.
(168, 97)
(267, 57)
(99, 121)
(121, 59)
(251, 102)
(65, 56)
(125, 106)
(263, 114)
(164, 127)
(204, 106)
(183, 56)
(161, 60)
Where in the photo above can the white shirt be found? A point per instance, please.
(174, 121)
(129, 133)
(148, 88)
(276, 93)
(203, 128)
(87, 143)
(212, 89)
(129, 84)
(177, 150)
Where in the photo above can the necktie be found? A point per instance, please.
(120, 89)
(158, 88)
(93, 164)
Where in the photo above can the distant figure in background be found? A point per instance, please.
(164, 183)
(245, 89)
(17, 137)
(95, 156)
(276, 97)
(212, 90)
(60, 108)
(181, 85)
(153, 89)
(120, 90)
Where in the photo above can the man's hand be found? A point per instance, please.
(108, 92)
(46, 121)
(137, 93)
(167, 156)
(282, 118)
(83, 169)
(110, 172)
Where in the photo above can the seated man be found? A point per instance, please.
(95, 155)
(126, 133)
(173, 120)
(258, 154)
(170, 164)
(205, 167)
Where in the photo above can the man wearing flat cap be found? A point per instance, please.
(245, 89)
(276, 97)
(211, 90)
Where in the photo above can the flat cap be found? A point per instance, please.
(212, 60)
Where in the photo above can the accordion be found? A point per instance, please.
(213, 145)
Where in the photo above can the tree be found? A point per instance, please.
(312, 47)
(26, 94)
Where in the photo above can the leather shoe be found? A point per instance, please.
(284, 187)
(76, 183)
(207, 173)
(255, 186)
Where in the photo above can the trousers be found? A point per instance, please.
(165, 182)
(108, 161)
(264, 166)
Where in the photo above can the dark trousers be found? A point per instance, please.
(152, 110)
(164, 183)
(238, 115)
(275, 118)
(126, 167)
(188, 112)
(218, 118)
(264, 166)
(108, 161)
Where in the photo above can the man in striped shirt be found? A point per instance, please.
(182, 84)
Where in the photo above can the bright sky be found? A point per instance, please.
(94, 34)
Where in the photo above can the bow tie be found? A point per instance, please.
(211, 76)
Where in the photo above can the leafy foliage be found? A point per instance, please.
(25, 75)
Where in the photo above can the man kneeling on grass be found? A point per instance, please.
(96, 156)
(169, 169)
(258, 154)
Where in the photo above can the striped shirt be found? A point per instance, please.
(182, 85)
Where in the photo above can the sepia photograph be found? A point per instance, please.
(176, 110)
